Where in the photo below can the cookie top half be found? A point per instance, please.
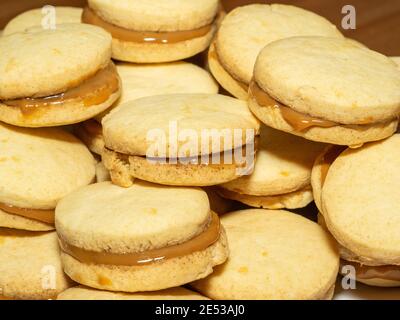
(38, 63)
(127, 127)
(157, 15)
(274, 254)
(248, 29)
(40, 166)
(105, 217)
(330, 78)
(360, 200)
(36, 17)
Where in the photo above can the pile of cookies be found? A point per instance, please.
(112, 186)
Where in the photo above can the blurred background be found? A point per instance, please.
(378, 21)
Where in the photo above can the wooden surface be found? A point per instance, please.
(378, 21)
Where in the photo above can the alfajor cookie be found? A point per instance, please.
(38, 167)
(86, 293)
(282, 173)
(149, 31)
(56, 77)
(144, 80)
(143, 238)
(47, 17)
(183, 139)
(30, 267)
(274, 255)
(357, 192)
(351, 95)
(246, 30)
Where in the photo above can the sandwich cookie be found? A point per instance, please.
(184, 140)
(281, 176)
(248, 29)
(149, 31)
(43, 17)
(358, 198)
(274, 255)
(86, 293)
(30, 267)
(38, 167)
(351, 95)
(148, 80)
(56, 77)
(143, 238)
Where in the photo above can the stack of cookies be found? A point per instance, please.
(125, 175)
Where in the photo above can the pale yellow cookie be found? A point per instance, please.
(38, 167)
(246, 30)
(274, 255)
(359, 205)
(143, 137)
(282, 173)
(143, 238)
(86, 293)
(43, 17)
(56, 77)
(30, 267)
(147, 31)
(350, 94)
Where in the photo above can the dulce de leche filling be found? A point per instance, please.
(327, 160)
(90, 17)
(299, 121)
(198, 243)
(387, 272)
(93, 91)
(46, 216)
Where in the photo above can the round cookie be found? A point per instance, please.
(183, 139)
(344, 100)
(246, 30)
(141, 80)
(41, 17)
(153, 31)
(274, 255)
(85, 293)
(38, 167)
(30, 267)
(143, 238)
(281, 176)
(56, 77)
(359, 203)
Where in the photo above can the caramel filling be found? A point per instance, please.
(93, 91)
(299, 121)
(199, 243)
(90, 17)
(388, 272)
(327, 159)
(46, 216)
